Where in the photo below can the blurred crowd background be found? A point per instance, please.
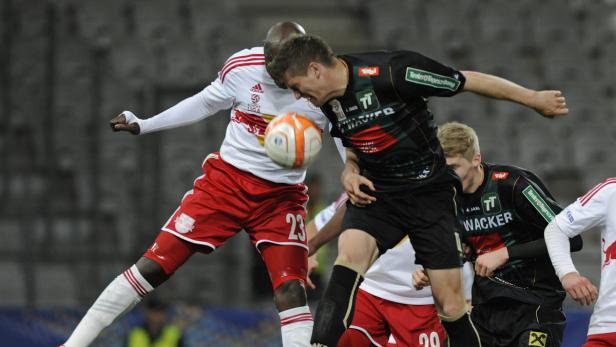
(79, 203)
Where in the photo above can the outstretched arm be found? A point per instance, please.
(215, 97)
(329, 231)
(548, 103)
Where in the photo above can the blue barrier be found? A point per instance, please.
(204, 326)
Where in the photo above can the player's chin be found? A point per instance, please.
(315, 102)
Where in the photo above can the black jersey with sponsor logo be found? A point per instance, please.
(383, 114)
(511, 207)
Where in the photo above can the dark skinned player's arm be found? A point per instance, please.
(331, 230)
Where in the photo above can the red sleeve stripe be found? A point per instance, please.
(134, 283)
(297, 318)
(242, 57)
(586, 198)
(239, 64)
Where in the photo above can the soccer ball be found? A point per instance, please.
(292, 140)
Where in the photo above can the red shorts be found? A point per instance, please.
(601, 340)
(225, 200)
(409, 325)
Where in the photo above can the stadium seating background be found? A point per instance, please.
(80, 203)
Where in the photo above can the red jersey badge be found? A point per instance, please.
(497, 176)
(369, 71)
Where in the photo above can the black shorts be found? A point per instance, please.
(428, 215)
(511, 323)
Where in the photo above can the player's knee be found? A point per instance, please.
(152, 271)
(290, 294)
(452, 310)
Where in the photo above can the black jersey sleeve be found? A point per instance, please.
(537, 207)
(534, 203)
(415, 75)
(538, 248)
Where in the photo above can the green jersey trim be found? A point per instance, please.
(538, 203)
(431, 79)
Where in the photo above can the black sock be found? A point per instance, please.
(337, 302)
(462, 332)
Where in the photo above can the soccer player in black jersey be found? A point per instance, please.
(395, 173)
(517, 297)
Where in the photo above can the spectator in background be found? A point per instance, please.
(156, 330)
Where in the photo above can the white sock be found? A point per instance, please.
(296, 327)
(121, 295)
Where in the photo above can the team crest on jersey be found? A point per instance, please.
(490, 203)
(256, 88)
(337, 109)
(369, 71)
(184, 223)
(537, 339)
(499, 176)
(367, 100)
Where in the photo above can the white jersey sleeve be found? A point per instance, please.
(587, 211)
(324, 216)
(210, 100)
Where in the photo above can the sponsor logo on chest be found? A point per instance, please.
(488, 223)
(350, 124)
(367, 100)
(490, 203)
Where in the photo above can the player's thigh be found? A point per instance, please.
(545, 328)
(378, 220)
(447, 289)
(368, 321)
(356, 338)
(435, 225)
(357, 250)
(601, 340)
(169, 252)
(214, 210)
(415, 325)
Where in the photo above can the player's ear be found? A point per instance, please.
(476, 159)
(315, 69)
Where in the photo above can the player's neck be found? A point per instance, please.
(477, 180)
(341, 78)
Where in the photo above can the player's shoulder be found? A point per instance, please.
(504, 174)
(250, 59)
(375, 57)
(603, 191)
(254, 52)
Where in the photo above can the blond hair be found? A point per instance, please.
(457, 138)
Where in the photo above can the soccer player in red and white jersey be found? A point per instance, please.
(595, 209)
(241, 188)
(389, 311)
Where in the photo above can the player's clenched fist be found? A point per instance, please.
(550, 103)
(125, 121)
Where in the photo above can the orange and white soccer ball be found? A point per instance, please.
(292, 140)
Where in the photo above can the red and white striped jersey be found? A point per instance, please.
(243, 85)
(597, 208)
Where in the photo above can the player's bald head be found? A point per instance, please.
(277, 35)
